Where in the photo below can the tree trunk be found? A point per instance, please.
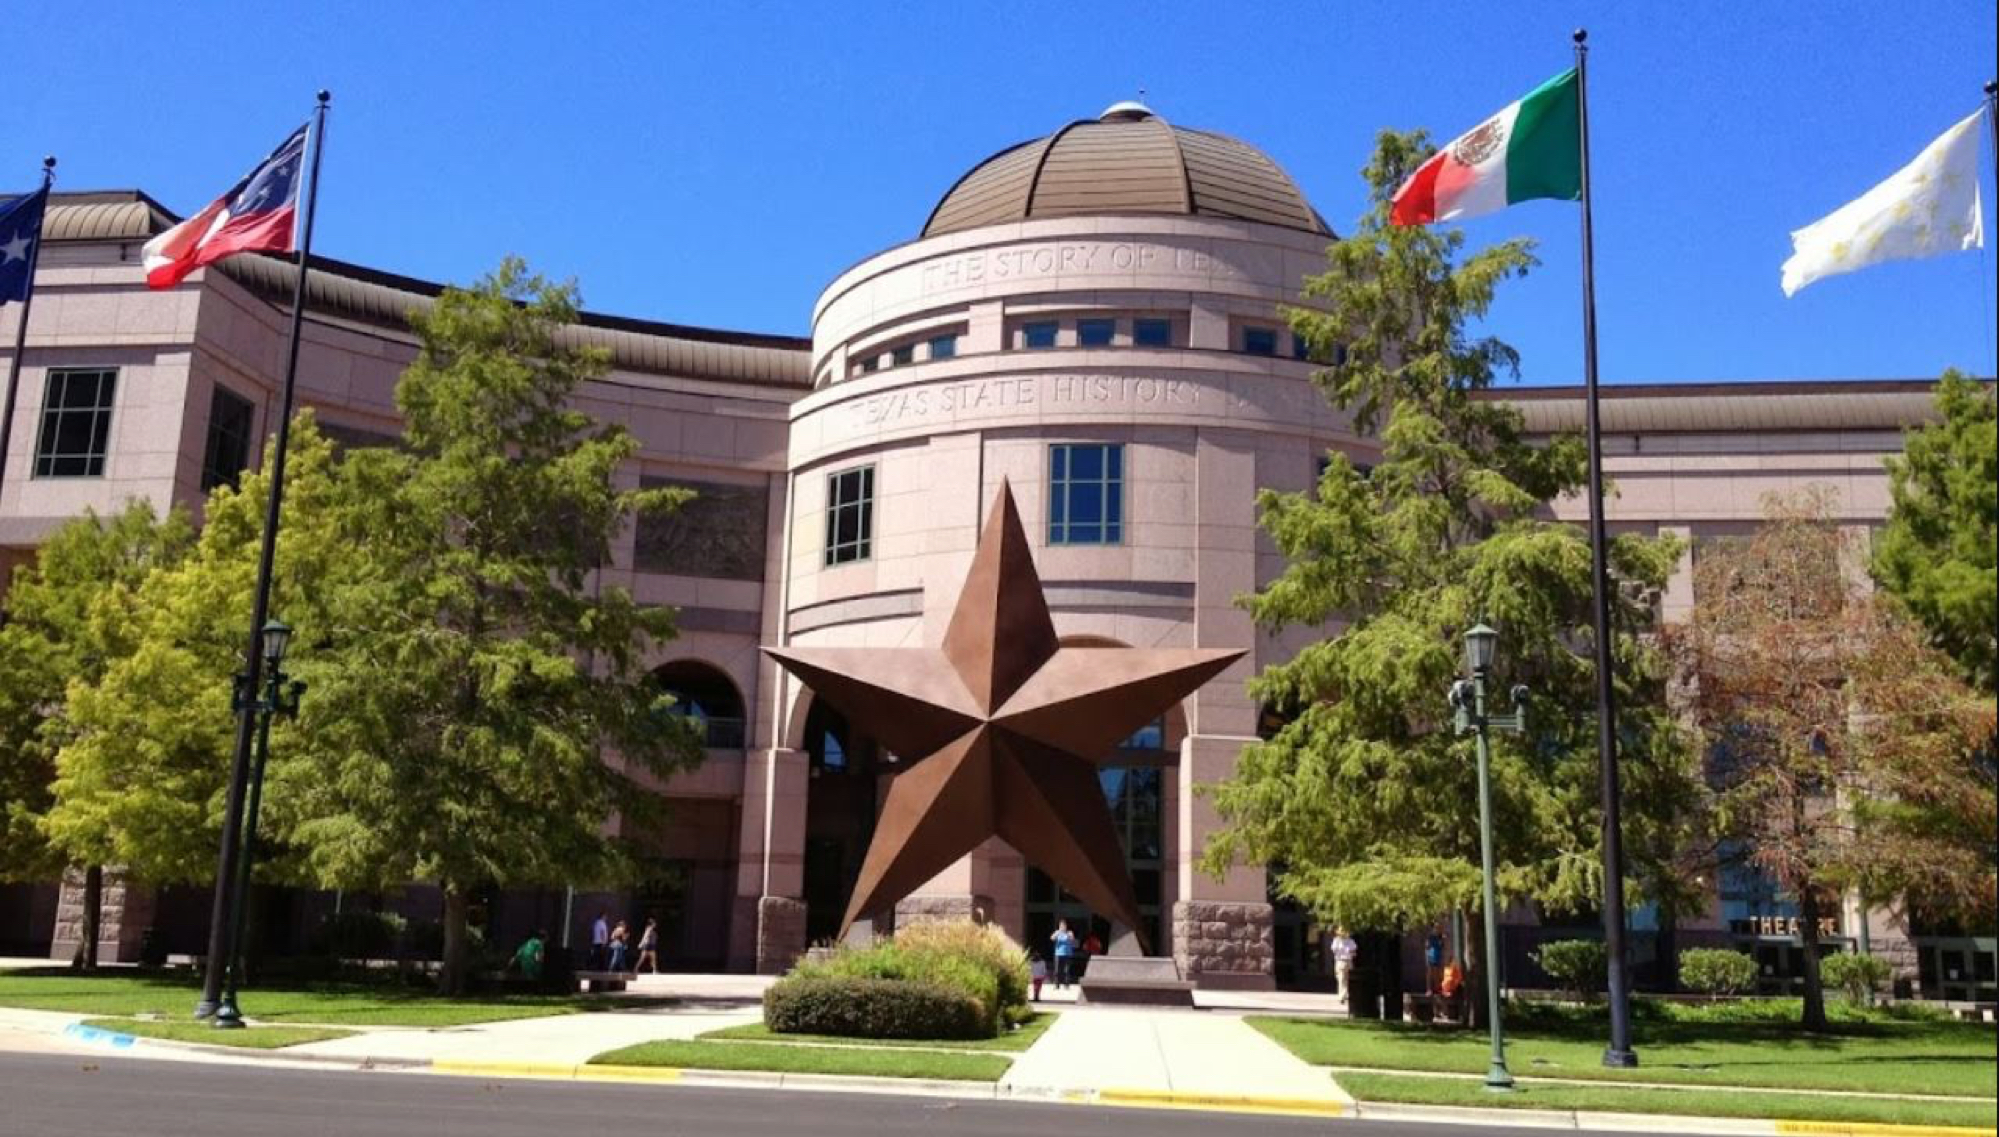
(1808, 939)
(93, 919)
(451, 973)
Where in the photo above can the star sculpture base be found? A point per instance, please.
(1002, 731)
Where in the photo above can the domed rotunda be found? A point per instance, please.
(1095, 317)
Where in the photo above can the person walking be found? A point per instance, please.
(1091, 949)
(1065, 954)
(621, 937)
(649, 948)
(1037, 972)
(1343, 950)
(600, 941)
(528, 958)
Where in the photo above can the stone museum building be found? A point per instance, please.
(1092, 315)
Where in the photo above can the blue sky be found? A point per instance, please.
(717, 165)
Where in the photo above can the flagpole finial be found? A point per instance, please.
(1581, 36)
(1991, 88)
(325, 96)
(49, 164)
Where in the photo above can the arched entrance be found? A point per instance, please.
(847, 772)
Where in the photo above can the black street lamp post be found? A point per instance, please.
(1468, 697)
(279, 698)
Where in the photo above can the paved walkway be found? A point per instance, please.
(1181, 1052)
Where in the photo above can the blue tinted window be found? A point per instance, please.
(943, 347)
(1259, 341)
(1085, 494)
(904, 354)
(1152, 333)
(1096, 333)
(1039, 334)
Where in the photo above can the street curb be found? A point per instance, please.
(1654, 1122)
(1231, 1103)
(735, 1079)
(120, 1040)
(98, 1036)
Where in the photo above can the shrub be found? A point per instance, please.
(358, 935)
(1856, 974)
(982, 944)
(857, 1007)
(1579, 967)
(1717, 971)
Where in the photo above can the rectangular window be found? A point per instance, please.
(1259, 341)
(1300, 347)
(76, 423)
(1085, 494)
(943, 347)
(1152, 333)
(1038, 335)
(871, 364)
(850, 515)
(901, 355)
(228, 449)
(1096, 333)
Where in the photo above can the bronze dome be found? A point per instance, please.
(1128, 160)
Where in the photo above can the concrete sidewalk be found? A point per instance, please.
(1145, 1052)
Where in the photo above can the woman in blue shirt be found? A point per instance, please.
(1065, 954)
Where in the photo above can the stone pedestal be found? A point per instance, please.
(1224, 944)
(780, 934)
(127, 911)
(946, 908)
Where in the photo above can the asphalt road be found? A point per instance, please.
(86, 1095)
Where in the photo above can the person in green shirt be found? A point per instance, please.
(528, 957)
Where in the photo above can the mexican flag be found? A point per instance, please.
(1528, 150)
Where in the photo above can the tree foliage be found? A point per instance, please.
(1939, 552)
(466, 684)
(1839, 744)
(143, 769)
(68, 619)
(1366, 796)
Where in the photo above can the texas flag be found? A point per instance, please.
(254, 216)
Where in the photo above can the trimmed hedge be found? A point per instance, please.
(1857, 976)
(1581, 966)
(1717, 971)
(978, 963)
(873, 1008)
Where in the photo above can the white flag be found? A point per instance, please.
(1929, 206)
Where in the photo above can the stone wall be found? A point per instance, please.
(780, 934)
(126, 913)
(944, 909)
(1223, 943)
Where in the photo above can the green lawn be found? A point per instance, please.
(1012, 1041)
(790, 1059)
(1690, 1102)
(174, 997)
(1879, 1056)
(249, 1038)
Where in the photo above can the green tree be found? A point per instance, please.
(144, 762)
(1366, 795)
(474, 675)
(65, 624)
(1937, 552)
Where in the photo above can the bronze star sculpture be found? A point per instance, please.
(1001, 730)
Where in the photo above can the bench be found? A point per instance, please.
(601, 982)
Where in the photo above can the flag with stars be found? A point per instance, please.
(258, 214)
(20, 228)
(1929, 206)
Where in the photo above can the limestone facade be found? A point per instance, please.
(941, 367)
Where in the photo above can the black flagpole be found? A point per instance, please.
(221, 935)
(21, 329)
(1620, 1052)
(1991, 116)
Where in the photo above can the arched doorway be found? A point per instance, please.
(848, 775)
(704, 692)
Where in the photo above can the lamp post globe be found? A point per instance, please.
(1481, 645)
(277, 638)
